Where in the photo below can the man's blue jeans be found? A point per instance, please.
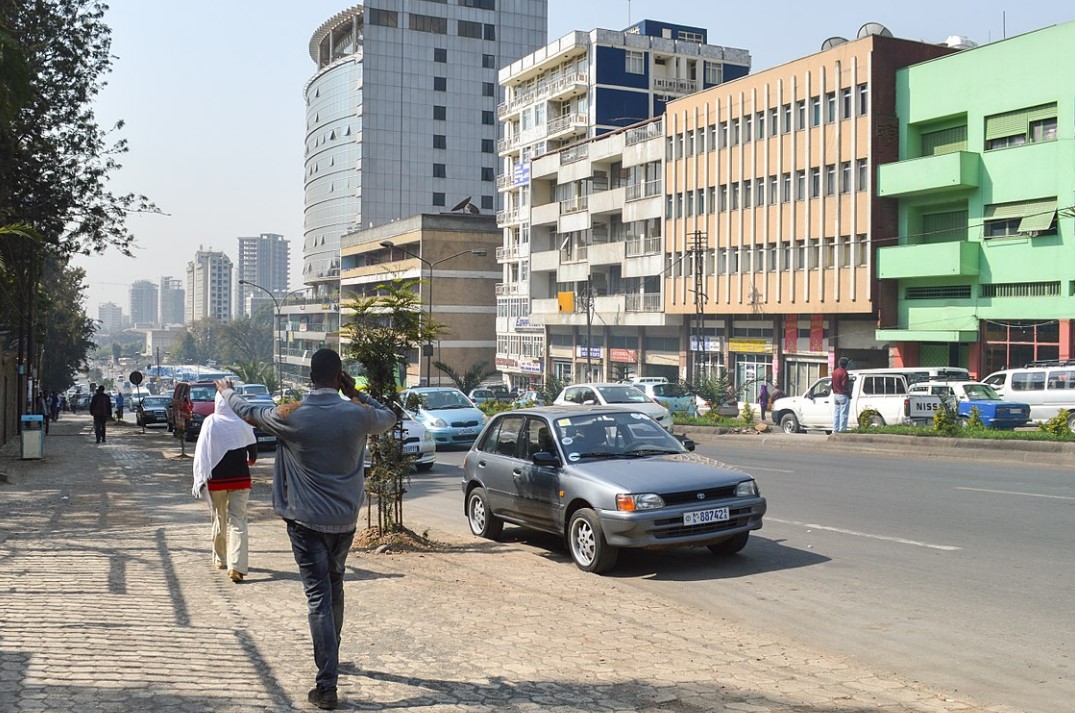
(841, 405)
(321, 558)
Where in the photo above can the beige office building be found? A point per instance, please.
(771, 217)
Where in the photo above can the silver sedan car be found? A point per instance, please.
(604, 478)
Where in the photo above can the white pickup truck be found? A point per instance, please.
(885, 393)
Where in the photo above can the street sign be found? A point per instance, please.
(135, 378)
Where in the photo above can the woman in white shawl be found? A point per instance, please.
(226, 449)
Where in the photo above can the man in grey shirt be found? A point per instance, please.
(318, 489)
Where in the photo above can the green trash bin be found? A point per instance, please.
(33, 437)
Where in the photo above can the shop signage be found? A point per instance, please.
(817, 332)
(712, 344)
(521, 175)
(750, 345)
(791, 333)
(595, 352)
(623, 356)
(531, 367)
(505, 362)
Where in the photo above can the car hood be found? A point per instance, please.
(670, 473)
(998, 402)
(651, 408)
(453, 414)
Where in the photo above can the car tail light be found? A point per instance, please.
(907, 407)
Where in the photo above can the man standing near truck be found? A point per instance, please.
(841, 397)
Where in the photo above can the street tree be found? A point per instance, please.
(472, 378)
(384, 329)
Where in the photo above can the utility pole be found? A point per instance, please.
(589, 327)
(699, 241)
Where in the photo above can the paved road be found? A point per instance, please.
(942, 570)
(109, 604)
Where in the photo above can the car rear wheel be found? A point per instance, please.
(730, 546)
(587, 542)
(875, 421)
(1071, 421)
(483, 522)
(423, 467)
(789, 424)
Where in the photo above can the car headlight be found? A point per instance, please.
(436, 422)
(630, 502)
(426, 437)
(746, 489)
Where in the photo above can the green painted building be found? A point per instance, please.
(982, 272)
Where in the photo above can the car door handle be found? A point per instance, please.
(481, 464)
(517, 473)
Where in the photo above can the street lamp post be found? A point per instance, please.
(428, 348)
(279, 347)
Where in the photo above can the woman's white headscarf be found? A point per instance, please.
(221, 431)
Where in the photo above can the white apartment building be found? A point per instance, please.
(172, 301)
(579, 87)
(209, 286)
(110, 315)
(143, 303)
(265, 261)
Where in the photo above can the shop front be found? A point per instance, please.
(752, 364)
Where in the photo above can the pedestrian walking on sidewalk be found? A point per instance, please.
(763, 401)
(41, 406)
(101, 410)
(119, 406)
(226, 449)
(318, 486)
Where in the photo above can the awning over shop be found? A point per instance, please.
(1035, 216)
(926, 335)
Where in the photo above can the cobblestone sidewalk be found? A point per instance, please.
(109, 603)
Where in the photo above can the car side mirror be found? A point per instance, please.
(688, 444)
(545, 458)
(588, 402)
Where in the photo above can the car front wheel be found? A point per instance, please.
(483, 522)
(586, 539)
(730, 546)
(789, 424)
(423, 467)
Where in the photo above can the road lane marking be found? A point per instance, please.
(1014, 492)
(842, 531)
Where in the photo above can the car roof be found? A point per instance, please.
(597, 384)
(429, 389)
(952, 382)
(568, 410)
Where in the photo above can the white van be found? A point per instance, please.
(1046, 389)
(915, 374)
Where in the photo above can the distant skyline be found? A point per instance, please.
(211, 94)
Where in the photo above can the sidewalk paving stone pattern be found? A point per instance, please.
(109, 603)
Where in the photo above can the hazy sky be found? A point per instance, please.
(211, 93)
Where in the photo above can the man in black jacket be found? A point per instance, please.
(101, 410)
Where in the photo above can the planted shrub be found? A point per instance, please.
(946, 419)
(1058, 424)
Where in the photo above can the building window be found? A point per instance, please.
(440, 55)
(747, 194)
(469, 29)
(635, 62)
(487, 202)
(723, 198)
(800, 185)
(488, 118)
(944, 141)
(772, 190)
(440, 84)
(774, 117)
(701, 201)
(815, 111)
(830, 180)
(488, 61)
(480, 4)
(830, 107)
(440, 141)
(440, 113)
(428, 23)
(748, 132)
(713, 72)
(488, 146)
(800, 115)
(862, 177)
(384, 18)
(438, 199)
(439, 170)
(864, 99)
(488, 174)
(724, 134)
(489, 31)
(1021, 218)
(690, 204)
(845, 177)
(1016, 128)
(690, 143)
(759, 124)
(815, 182)
(845, 103)
(786, 128)
(735, 196)
(488, 89)
(734, 129)
(759, 191)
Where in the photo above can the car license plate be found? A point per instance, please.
(704, 517)
(468, 432)
(266, 439)
(410, 448)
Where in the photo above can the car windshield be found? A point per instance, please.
(613, 435)
(980, 392)
(255, 390)
(670, 390)
(156, 401)
(202, 393)
(623, 395)
(437, 400)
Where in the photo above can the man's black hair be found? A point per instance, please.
(325, 367)
(844, 361)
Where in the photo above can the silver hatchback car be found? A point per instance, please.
(604, 478)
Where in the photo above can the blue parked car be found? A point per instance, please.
(447, 414)
(994, 411)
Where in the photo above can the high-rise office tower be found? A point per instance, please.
(143, 304)
(209, 286)
(110, 315)
(263, 260)
(172, 301)
(401, 115)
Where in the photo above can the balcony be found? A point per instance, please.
(645, 302)
(507, 289)
(503, 181)
(653, 130)
(672, 85)
(930, 174)
(570, 123)
(574, 205)
(511, 252)
(636, 247)
(508, 144)
(606, 253)
(957, 258)
(508, 217)
(638, 191)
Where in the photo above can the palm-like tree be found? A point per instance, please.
(471, 379)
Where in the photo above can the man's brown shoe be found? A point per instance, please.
(235, 575)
